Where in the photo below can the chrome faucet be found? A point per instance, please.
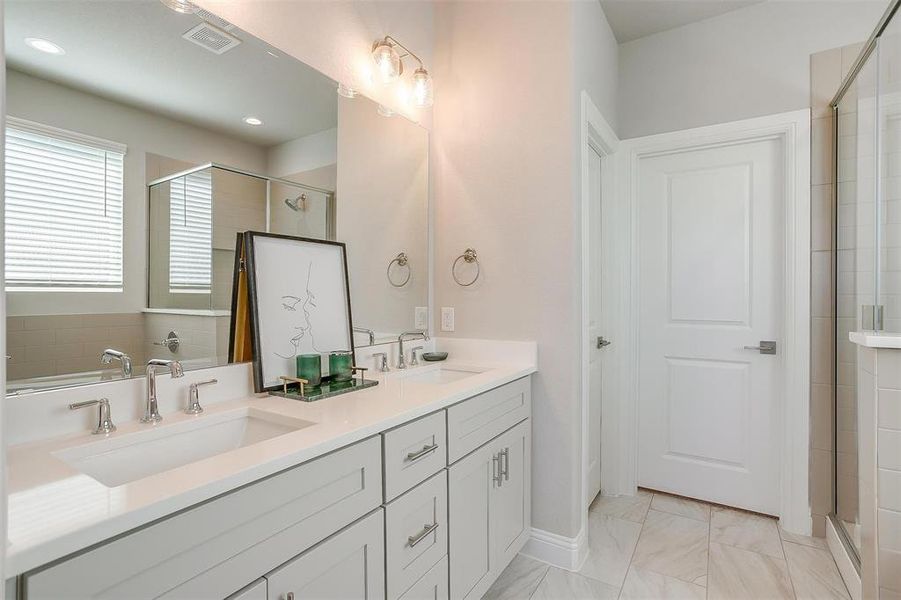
(401, 361)
(151, 407)
(368, 332)
(110, 354)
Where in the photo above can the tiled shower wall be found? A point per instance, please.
(827, 70)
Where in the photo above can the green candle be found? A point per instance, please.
(339, 365)
(309, 367)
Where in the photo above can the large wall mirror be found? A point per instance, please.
(139, 142)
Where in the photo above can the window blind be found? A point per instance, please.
(63, 210)
(191, 233)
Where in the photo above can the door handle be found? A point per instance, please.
(505, 464)
(765, 347)
(497, 475)
(603, 342)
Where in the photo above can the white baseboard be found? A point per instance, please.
(557, 550)
(845, 567)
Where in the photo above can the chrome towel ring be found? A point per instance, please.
(469, 256)
(402, 261)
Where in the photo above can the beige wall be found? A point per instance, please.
(383, 209)
(503, 160)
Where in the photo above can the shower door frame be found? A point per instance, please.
(866, 51)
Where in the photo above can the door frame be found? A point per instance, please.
(792, 130)
(596, 137)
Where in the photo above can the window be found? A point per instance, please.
(63, 210)
(191, 233)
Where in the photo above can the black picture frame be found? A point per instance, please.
(253, 291)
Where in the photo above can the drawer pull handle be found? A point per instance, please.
(420, 453)
(415, 539)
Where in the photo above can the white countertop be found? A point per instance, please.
(875, 339)
(55, 510)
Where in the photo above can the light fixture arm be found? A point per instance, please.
(391, 40)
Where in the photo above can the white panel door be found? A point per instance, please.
(710, 283)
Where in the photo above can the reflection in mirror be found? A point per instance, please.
(135, 157)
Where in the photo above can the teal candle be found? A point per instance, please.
(339, 365)
(309, 367)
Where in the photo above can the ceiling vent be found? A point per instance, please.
(212, 38)
(214, 19)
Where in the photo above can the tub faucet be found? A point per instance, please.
(151, 407)
(401, 361)
(110, 354)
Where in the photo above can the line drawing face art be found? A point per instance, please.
(305, 304)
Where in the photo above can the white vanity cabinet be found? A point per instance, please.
(434, 508)
(350, 564)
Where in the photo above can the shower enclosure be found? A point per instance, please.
(867, 261)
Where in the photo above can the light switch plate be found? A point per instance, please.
(447, 318)
(421, 318)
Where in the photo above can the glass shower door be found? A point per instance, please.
(856, 271)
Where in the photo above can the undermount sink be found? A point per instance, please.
(442, 375)
(129, 457)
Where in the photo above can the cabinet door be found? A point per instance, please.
(350, 564)
(510, 508)
(470, 486)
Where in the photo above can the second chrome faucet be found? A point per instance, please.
(151, 406)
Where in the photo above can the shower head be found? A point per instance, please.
(297, 204)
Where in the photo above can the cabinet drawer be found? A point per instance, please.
(416, 533)
(473, 422)
(254, 591)
(350, 564)
(215, 548)
(413, 453)
(432, 586)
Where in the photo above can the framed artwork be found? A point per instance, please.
(299, 300)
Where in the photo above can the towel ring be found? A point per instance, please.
(402, 261)
(469, 256)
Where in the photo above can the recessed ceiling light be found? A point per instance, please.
(44, 46)
(252, 121)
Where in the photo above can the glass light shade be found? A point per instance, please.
(181, 6)
(387, 61)
(385, 111)
(346, 91)
(422, 88)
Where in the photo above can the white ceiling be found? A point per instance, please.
(633, 19)
(133, 52)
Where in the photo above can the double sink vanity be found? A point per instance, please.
(418, 487)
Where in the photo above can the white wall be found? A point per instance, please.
(336, 37)
(52, 104)
(502, 172)
(305, 153)
(749, 62)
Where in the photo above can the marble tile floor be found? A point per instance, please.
(654, 546)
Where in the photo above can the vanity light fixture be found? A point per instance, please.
(346, 91)
(45, 46)
(390, 65)
(254, 121)
(184, 7)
